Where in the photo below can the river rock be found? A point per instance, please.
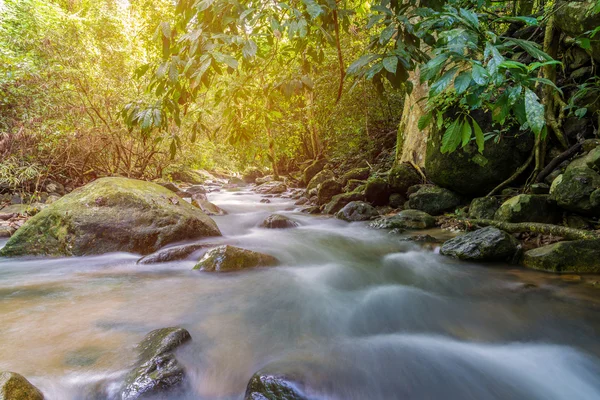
(356, 174)
(357, 211)
(15, 387)
(196, 189)
(107, 215)
(207, 207)
(352, 185)
(277, 221)
(578, 256)
(486, 244)
(190, 176)
(319, 178)
(268, 386)
(273, 187)
(483, 208)
(169, 185)
(339, 201)
(466, 171)
(528, 208)
(229, 258)
(157, 370)
(172, 253)
(234, 180)
(407, 219)
(403, 176)
(314, 168)
(377, 191)
(327, 190)
(397, 200)
(433, 200)
(578, 189)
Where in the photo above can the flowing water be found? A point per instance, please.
(359, 313)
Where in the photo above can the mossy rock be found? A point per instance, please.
(266, 385)
(278, 221)
(575, 190)
(157, 370)
(407, 219)
(109, 215)
(487, 244)
(403, 176)
(319, 178)
(230, 258)
(339, 201)
(466, 171)
(172, 253)
(15, 387)
(313, 169)
(188, 176)
(359, 174)
(579, 256)
(327, 190)
(484, 208)
(353, 184)
(377, 191)
(357, 211)
(577, 17)
(528, 208)
(433, 200)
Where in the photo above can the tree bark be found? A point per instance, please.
(411, 142)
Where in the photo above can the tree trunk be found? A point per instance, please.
(411, 142)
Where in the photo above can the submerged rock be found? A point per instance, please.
(407, 219)
(433, 200)
(157, 370)
(172, 253)
(357, 211)
(484, 208)
(277, 221)
(15, 387)
(266, 386)
(111, 214)
(578, 256)
(528, 208)
(230, 258)
(486, 244)
(339, 201)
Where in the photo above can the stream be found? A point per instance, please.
(360, 313)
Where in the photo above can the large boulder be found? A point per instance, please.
(327, 190)
(377, 191)
(407, 219)
(466, 171)
(339, 201)
(358, 174)
(357, 211)
(314, 168)
(319, 178)
(190, 176)
(433, 200)
(577, 17)
(483, 208)
(15, 387)
(278, 221)
(578, 188)
(108, 215)
(578, 256)
(230, 258)
(157, 370)
(528, 208)
(486, 244)
(403, 176)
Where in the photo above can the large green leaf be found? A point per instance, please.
(466, 133)
(424, 121)
(462, 82)
(452, 137)
(441, 84)
(480, 75)
(390, 63)
(479, 138)
(534, 111)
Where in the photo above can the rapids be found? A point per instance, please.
(360, 313)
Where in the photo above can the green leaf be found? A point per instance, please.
(424, 121)
(312, 8)
(225, 59)
(359, 64)
(441, 84)
(580, 112)
(514, 93)
(173, 72)
(249, 49)
(480, 75)
(534, 111)
(387, 34)
(479, 138)
(471, 17)
(390, 63)
(452, 137)
(466, 133)
(532, 48)
(462, 82)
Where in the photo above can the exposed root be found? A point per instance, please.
(544, 229)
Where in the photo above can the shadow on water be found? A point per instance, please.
(353, 313)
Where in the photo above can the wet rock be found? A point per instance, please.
(356, 174)
(267, 386)
(301, 201)
(157, 370)
(107, 215)
(402, 177)
(312, 210)
(577, 190)
(339, 201)
(421, 239)
(196, 189)
(487, 244)
(483, 207)
(377, 191)
(15, 387)
(169, 185)
(327, 190)
(433, 200)
(273, 187)
(277, 221)
(208, 208)
(312, 170)
(578, 256)
(528, 208)
(266, 201)
(407, 219)
(264, 179)
(397, 200)
(357, 211)
(229, 258)
(234, 180)
(172, 253)
(319, 178)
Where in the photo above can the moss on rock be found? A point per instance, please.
(579, 256)
(15, 387)
(230, 258)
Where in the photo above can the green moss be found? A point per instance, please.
(578, 256)
(15, 387)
